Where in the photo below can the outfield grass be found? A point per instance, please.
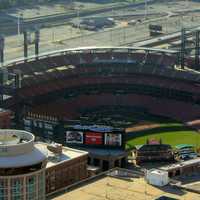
(169, 133)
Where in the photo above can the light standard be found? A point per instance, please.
(19, 19)
(146, 9)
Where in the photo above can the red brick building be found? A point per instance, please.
(65, 168)
(5, 118)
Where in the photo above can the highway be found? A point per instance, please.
(65, 36)
(30, 23)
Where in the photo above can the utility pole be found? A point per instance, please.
(37, 40)
(146, 9)
(2, 44)
(25, 44)
(182, 52)
(197, 48)
(19, 20)
(187, 3)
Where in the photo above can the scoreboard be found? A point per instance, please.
(95, 136)
(75, 135)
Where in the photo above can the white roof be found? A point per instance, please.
(37, 155)
(67, 154)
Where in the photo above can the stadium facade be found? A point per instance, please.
(54, 91)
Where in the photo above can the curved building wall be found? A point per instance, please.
(22, 166)
(23, 187)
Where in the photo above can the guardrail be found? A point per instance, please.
(92, 48)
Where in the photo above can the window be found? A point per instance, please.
(27, 122)
(40, 124)
(48, 126)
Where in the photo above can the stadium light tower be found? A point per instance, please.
(187, 3)
(79, 23)
(146, 8)
(197, 48)
(37, 41)
(19, 20)
(2, 44)
(25, 43)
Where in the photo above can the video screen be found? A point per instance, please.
(113, 139)
(93, 138)
(75, 137)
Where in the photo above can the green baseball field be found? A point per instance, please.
(168, 131)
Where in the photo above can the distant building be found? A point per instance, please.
(153, 152)
(185, 151)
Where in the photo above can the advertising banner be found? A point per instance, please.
(93, 138)
(75, 137)
(113, 139)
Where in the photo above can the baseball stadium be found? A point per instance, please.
(144, 90)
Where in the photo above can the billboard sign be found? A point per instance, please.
(93, 138)
(75, 137)
(112, 139)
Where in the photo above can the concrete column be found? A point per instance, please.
(120, 162)
(101, 164)
(9, 190)
(24, 188)
(37, 188)
(91, 160)
(111, 164)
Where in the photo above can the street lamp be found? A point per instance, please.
(146, 9)
(19, 19)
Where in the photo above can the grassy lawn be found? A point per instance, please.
(169, 133)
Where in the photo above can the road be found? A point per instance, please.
(30, 23)
(65, 36)
(61, 37)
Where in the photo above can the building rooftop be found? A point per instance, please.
(107, 187)
(180, 164)
(67, 154)
(157, 171)
(17, 149)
